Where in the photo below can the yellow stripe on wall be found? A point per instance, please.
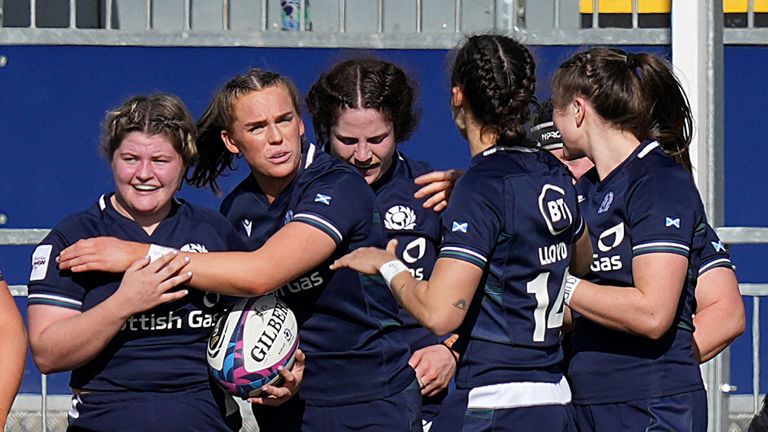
(663, 6)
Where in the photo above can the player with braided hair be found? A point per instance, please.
(510, 233)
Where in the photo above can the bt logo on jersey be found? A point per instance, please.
(553, 208)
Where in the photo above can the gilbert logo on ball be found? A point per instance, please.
(250, 343)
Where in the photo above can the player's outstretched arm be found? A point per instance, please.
(106, 254)
(439, 304)
(13, 338)
(437, 185)
(63, 339)
(720, 316)
(293, 250)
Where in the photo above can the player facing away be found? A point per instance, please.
(720, 316)
(298, 210)
(633, 365)
(362, 109)
(510, 233)
(135, 344)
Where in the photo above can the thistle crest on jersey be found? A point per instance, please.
(553, 208)
(194, 248)
(400, 217)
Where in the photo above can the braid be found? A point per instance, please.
(497, 75)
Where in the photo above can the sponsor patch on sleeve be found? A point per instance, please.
(40, 259)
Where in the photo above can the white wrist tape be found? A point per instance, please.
(571, 282)
(390, 269)
(156, 251)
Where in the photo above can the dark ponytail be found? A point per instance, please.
(638, 93)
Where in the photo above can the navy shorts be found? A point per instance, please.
(192, 410)
(684, 412)
(454, 416)
(398, 413)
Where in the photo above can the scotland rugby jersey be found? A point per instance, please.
(162, 349)
(713, 254)
(648, 204)
(514, 214)
(416, 229)
(348, 322)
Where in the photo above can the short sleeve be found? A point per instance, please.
(47, 285)
(713, 254)
(337, 203)
(472, 222)
(663, 212)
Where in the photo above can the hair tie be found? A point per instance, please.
(631, 61)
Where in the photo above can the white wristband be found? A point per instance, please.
(390, 269)
(571, 282)
(156, 251)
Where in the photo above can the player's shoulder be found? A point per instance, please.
(200, 214)
(327, 169)
(83, 223)
(413, 167)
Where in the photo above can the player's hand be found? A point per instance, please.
(438, 186)
(106, 254)
(367, 260)
(146, 285)
(435, 366)
(292, 380)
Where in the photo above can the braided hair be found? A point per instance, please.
(497, 76)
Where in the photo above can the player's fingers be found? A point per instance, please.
(430, 177)
(289, 379)
(435, 200)
(415, 359)
(74, 261)
(162, 261)
(175, 281)
(173, 296)
(173, 266)
(440, 206)
(392, 246)
(138, 264)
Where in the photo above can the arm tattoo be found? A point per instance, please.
(460, 304)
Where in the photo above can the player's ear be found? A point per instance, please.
(578, 106)
(229, 143)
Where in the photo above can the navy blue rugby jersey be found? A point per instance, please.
(349, 328)
(416, 229)
(713, 254)
(515, 215)
(162, 349)
(648, 204)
